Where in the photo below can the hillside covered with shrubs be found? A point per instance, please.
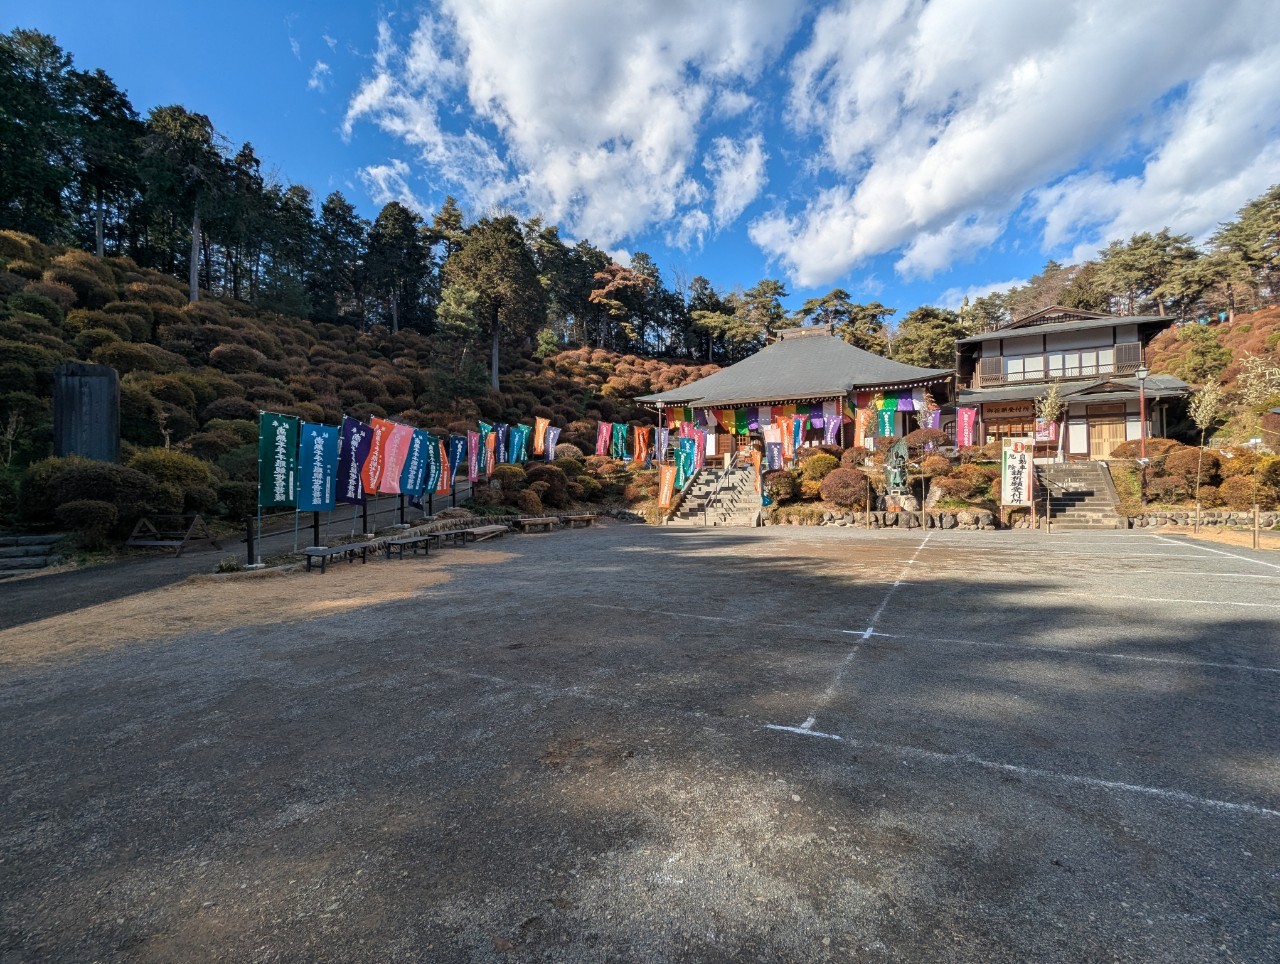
(194, 377)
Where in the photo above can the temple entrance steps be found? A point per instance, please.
(1081, 495)
(719, 499)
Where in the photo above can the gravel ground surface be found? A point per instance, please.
(627, 743)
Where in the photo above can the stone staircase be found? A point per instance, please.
(1081, 495)
(20, 555)
(729, 508)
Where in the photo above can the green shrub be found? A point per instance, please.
(16, 245)
(155, 294)
(233, 409)
(37, 304)
(139, 416)
(53, 482)
(816, 467)
(243, 429)
(241, 464)
(168, 465)
(556, 493)
(1238, 492)
(236, 499)
(527, 501)
(89, 289)
(571, 466)
(91, 519)
(235, 358)
(80, 319)
(125, 357)
(91, 339)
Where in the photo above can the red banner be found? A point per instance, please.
(604, 435)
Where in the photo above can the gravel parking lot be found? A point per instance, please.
(629, 743)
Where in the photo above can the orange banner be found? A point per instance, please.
(755, 462)
(540, 426)
(666, 486)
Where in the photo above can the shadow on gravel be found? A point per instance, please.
(563, 757)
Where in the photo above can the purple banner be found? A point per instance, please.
(553, 436)
(356, 441)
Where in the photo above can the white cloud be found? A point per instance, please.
(934, 145)
(929, 129)
(589, 114)
(332, 42)
(953, 298)
(737, 175)
(319, 76)
(389, 182)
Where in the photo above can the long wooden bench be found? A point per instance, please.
(460, 537)
(182, 535)
(537, 525)
(348, 552)
(578, 521)
(421, 541)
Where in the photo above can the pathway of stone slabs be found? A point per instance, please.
(628, 743)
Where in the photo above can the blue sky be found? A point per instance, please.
(908, 152)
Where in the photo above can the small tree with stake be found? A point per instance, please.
(1049, 408)
(1205, 409)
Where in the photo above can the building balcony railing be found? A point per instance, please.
(996, 371)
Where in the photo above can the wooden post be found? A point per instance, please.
(1255, 525)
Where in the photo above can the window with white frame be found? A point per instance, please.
(1023, 368)
(1077, 364)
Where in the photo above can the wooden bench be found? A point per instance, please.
(576, 521)
(460, 537)
(178, 536)
(413, 543)
(348, 552)
(537, 525)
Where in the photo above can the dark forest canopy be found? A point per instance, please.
(81, 166)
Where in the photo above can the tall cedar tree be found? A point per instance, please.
(494, 264)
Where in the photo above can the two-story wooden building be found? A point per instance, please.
(1094, 358)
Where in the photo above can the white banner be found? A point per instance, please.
(1016, 470)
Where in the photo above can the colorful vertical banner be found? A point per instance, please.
(965, 420)
(277, 459)
(642, 454)
(517, 444)
(798, 427)
(604, 434)
(862, 425)
(787, 424)
(394, 454)
(831, 420)
(664, 438)
(502, 431)
(444, 481)
(356, 440)
(414, 477)
(773, 455)
(486, 449)
(457, 454)
(618, 441)
(755, 466)
(685, 455)
(540, 426)
(666, 486)
(553, 437)
(1016, 471)
(318, 468)
(887, 418)
(473, 457)
(1046, 431)
(371, 473)
(699, 450)
(739, 421)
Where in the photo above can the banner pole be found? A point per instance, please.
(296, 516)
(248, 538)
(402, 522)
(258, 561)
(315, 527)
(364, 515)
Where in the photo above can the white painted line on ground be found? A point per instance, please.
(1220, 552)
(1159, 599)
(804, 729)
(1094, 782)
(829, 693)
(1126, 657)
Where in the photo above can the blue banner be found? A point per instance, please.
(318, 468)
(482, 462)
(356, 441)
(415, 464)
(457, 453)
(432, 466)
(516, 443)
(502, 430)
(553, 436)
(618, 441)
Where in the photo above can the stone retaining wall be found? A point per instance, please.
(964, 519)
(1214, 517)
